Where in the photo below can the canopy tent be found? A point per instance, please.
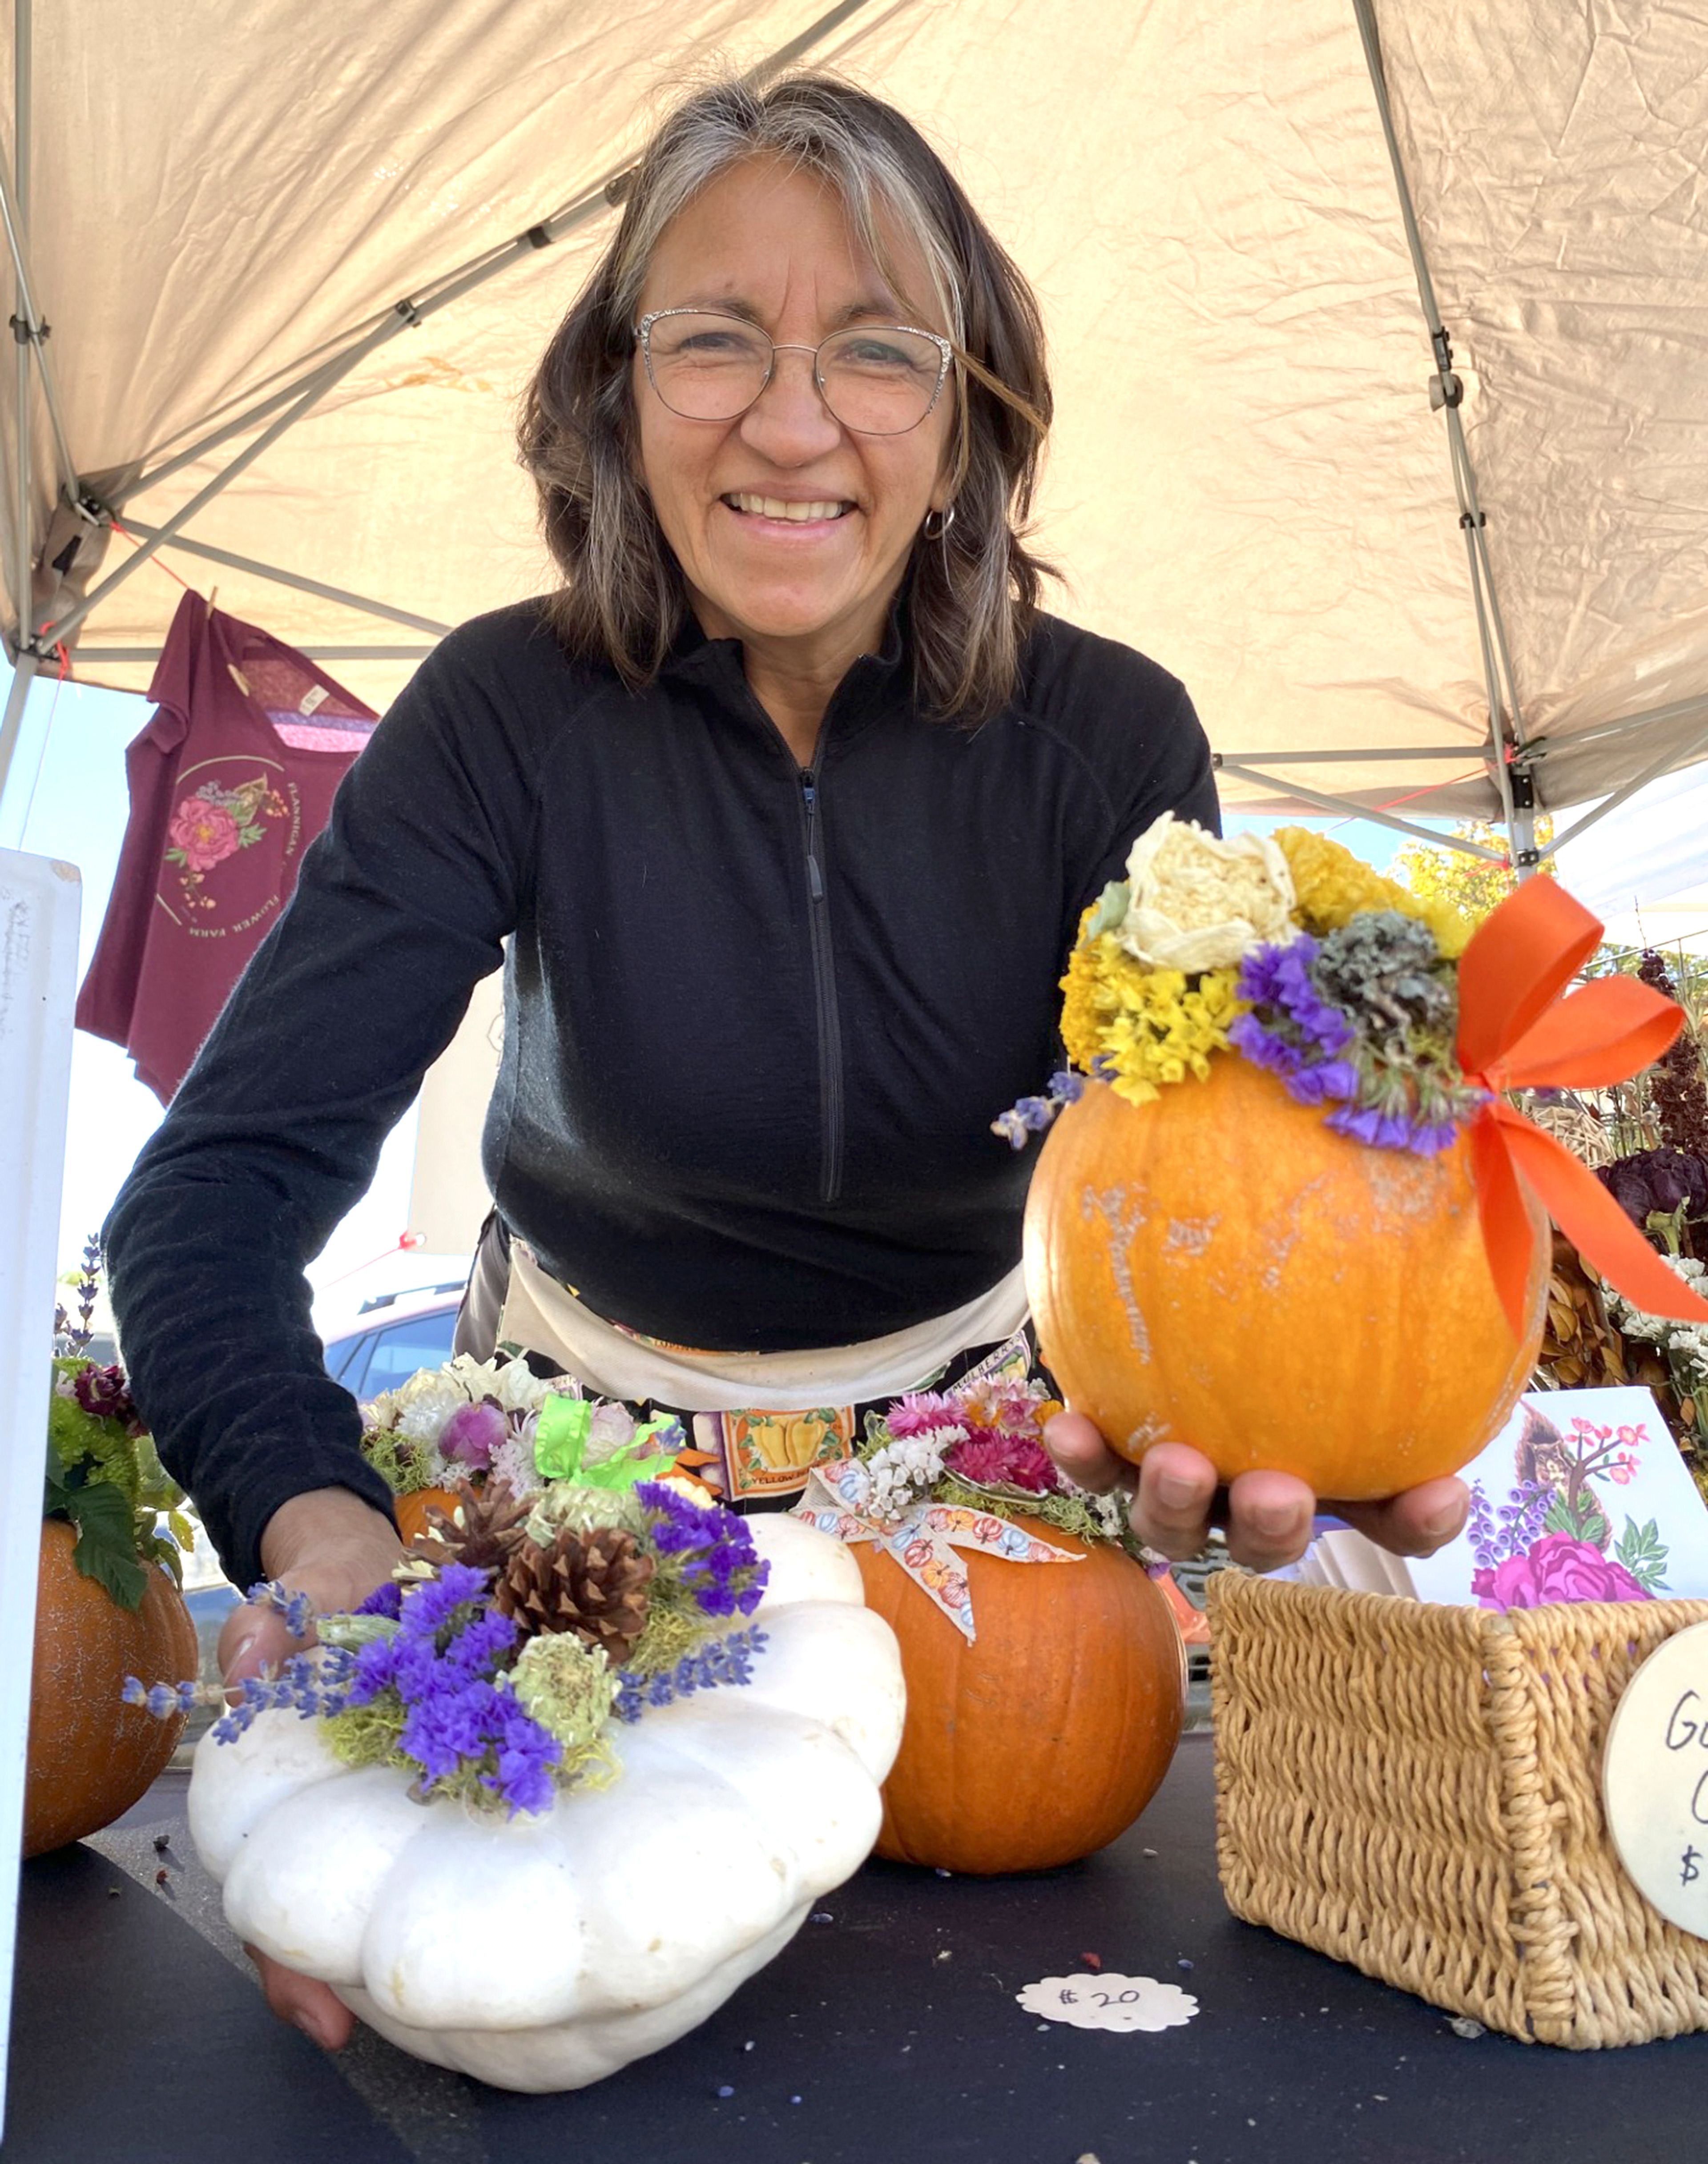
(279, 285)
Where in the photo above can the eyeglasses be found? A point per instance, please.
(877, 380)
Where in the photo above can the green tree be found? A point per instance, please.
(1473, 884)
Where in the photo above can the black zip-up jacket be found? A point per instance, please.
(758, 1019)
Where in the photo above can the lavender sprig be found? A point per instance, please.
(296, 1608)
(721, 1661)
(1031, 1115)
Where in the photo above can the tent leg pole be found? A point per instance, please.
(24, 552)
(11, 721)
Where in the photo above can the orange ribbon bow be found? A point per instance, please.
(1517, 1032)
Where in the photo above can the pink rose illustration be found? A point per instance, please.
(205, 832)
(1556, 1567)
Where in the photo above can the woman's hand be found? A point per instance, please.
(1269, 1514)
(331, 1546)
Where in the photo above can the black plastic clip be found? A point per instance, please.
(25, 335)
(410, 313)
(539, 236)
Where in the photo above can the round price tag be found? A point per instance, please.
(1654, 1779)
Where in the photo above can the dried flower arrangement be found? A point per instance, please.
(104, 1477)
(521, 1627)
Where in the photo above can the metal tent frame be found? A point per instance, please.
(1513, 760)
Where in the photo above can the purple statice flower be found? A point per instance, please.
(386, 1599)
(296, 1608)
(473, 1432)
(1381, 1128)
(427, 1607)
(1279, 978)
(719, 1661)
(1289, 1028)
(524, 1753)
(477, 1648)
(714, 1557)
(1066, 1086)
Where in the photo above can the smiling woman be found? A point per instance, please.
(780, 813)
(803, 261)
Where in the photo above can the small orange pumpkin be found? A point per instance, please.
(91, 1756)
(411, 1511)
(1046, 1736)
(1221, 1269)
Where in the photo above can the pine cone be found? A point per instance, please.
(488, 1524)
(592, 1583)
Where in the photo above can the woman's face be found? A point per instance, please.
(775, 245)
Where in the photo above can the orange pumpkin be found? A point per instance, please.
(91, 1756)
(1221, 1269)
(411, 1511)
(1047, 1735)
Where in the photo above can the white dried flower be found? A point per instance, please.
(1198, 903)
(908, 1468)
(426, 1402)
(610, 1426)
(513, 1463)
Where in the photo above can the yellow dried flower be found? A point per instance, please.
(1332, 886)
(1152, 1027)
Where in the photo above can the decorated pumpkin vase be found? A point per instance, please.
(1284, 1212)
(1046, 1677)
(583, 1768)
(107, 1604)
(91, 1756)
(1043, 1737)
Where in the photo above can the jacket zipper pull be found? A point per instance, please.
(809, 790)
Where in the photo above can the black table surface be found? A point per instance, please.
(888, 2033)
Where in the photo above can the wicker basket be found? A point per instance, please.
(1416, 1790)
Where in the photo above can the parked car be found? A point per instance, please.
(393, 1335)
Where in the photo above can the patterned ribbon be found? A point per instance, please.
(1516, 1031)
(923, 1541)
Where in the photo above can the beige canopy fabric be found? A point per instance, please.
(1249, 479)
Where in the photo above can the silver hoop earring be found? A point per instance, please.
(945, 519)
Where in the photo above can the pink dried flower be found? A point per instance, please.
(472, 1433)
(919, 1411)
(994, 1459)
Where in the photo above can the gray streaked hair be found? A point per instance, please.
(974, 594)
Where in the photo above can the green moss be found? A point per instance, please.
(1069, 1514)
(404, 1465)
(676, 1624)
(367, 1735)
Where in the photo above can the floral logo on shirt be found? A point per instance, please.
(214, 824)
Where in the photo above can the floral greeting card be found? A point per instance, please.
(1581, 1496)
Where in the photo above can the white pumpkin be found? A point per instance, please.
(548, 1950)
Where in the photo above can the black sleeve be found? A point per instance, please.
(400, 908)
(1172, 773)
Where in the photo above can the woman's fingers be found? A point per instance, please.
(253, 1640)
(1082, 1454)
(314, 2008)
(1414, 1524)
(1174, 1490)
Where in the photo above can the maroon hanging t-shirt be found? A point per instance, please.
(231, 779)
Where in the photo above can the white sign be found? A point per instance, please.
(1109, 2001)
(39, 905)
(1654, 1779)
